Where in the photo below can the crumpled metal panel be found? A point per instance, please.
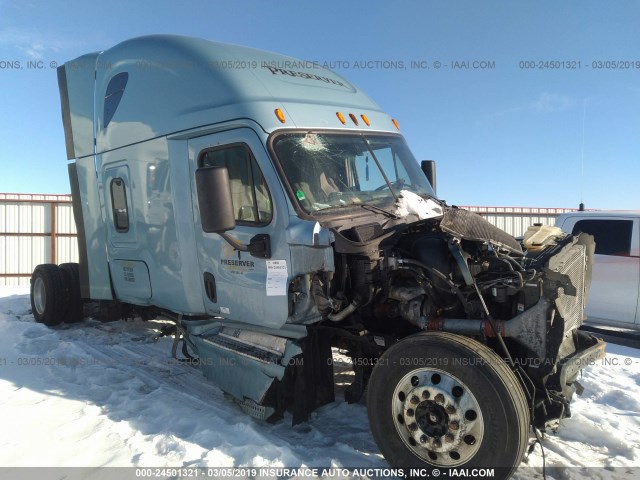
(471, 226)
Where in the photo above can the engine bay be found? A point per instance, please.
(458, 273)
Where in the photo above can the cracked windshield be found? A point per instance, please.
(328, 171)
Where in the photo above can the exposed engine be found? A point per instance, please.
(458, 273)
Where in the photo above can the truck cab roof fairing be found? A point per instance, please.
(177, 83)
(76, 84)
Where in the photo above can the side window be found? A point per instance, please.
(251, 199)
(613, 237)
(113, 95)
(119, 205)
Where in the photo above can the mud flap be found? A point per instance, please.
(308, 381)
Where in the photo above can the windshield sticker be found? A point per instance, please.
(276, 277)
(300, 195)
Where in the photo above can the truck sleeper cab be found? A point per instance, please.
(274, 212)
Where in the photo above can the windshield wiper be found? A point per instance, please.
(368, 206)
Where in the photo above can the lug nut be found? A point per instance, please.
(437, 443)
(415, 400)
(410, 412)
(454, 426)
(449, 438)
(439, 398)
(426, 395)
(413, 427)
(423, 439)
(450, 409)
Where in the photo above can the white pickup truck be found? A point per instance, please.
(614, 298)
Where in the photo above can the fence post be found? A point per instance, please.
(54, 255)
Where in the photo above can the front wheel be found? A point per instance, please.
(440, 400)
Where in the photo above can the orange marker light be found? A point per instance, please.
(395, 122)
(365, 119)
(280, 115)
(341, 118)
(354, 119)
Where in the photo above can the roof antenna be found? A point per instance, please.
(584, 115)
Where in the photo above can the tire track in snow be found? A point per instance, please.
(169, 414)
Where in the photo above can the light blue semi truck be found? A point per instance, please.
(270, 209)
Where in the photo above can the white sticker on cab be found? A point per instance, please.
(276, 277)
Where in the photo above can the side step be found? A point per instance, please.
(257, 346)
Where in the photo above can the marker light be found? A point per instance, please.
(395, 122)
(365, 119)
(354, 119)
(341, 118)
(280, 115)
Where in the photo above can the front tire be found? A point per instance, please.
(438, 400)
(48, 295)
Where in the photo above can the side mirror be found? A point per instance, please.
(429, 170)
(214, 199)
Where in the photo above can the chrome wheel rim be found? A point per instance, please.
(39, 295)
(437, 417)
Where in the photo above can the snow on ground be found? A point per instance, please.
(93, 394)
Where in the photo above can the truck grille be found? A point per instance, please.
(571, 261)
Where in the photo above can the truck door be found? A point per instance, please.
(235, 284)
(129, 275)
(616, 273)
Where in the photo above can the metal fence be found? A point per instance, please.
(34, 229)
(516, 220)
(38, 229)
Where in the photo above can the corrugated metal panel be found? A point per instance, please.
(26, 228)
(34, 197)
(24, 218)
(517, 226)
(516, 220)
(67, 249)
(21, 254)
(520, 210)
(64, 219)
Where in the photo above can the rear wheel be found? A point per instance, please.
(71, 274)
(439, 400)
(48, 295)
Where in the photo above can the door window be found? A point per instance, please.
(613, 237)
(119, 205)
(249, 192)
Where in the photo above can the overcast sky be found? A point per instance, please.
(521, 103)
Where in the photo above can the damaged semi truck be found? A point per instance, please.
(272, 211)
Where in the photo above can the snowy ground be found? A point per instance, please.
(93, 394)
